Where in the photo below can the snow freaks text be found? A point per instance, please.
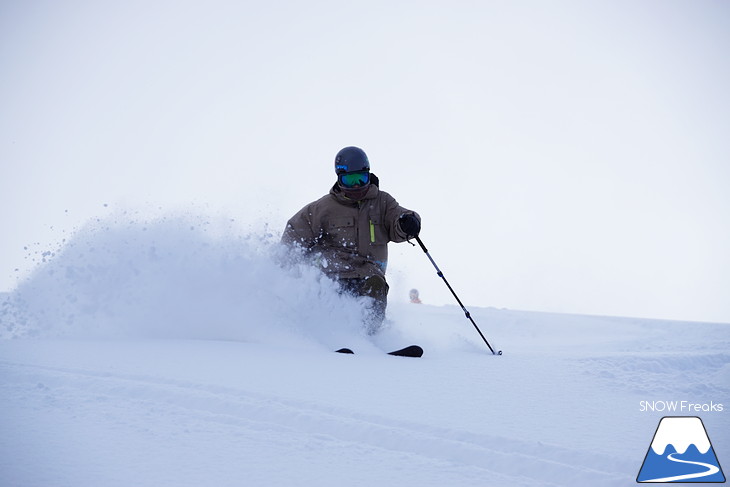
(680, 407)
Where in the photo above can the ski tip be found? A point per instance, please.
(411, 351)
(344, 350)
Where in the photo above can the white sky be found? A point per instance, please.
(565, 156)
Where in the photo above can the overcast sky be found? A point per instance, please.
(565, 156)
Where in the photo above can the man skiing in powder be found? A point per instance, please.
(347, 231)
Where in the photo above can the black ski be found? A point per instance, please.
(410, 351)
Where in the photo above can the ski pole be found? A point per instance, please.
(468, 315)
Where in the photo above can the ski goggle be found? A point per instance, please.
(352, 179)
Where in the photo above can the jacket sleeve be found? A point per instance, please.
(393, 212)
(299, 230)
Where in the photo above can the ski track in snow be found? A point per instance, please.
(193, 412)
(445, 455)
(662, 372)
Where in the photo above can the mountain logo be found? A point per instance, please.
(681, 452)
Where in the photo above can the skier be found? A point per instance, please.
(413, 294)
(347, 231)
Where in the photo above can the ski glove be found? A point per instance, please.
(410, 224)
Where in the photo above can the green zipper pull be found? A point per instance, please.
(372, 232)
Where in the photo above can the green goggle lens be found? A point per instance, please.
(352, 179)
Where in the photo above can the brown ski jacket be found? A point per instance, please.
(348, 238)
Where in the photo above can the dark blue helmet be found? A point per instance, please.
(351, 159)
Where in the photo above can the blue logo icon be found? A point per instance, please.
(681, 452)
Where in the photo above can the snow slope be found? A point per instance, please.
(178, 353)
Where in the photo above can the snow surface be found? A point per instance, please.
(178, 352)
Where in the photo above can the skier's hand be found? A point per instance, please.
(410, 224)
